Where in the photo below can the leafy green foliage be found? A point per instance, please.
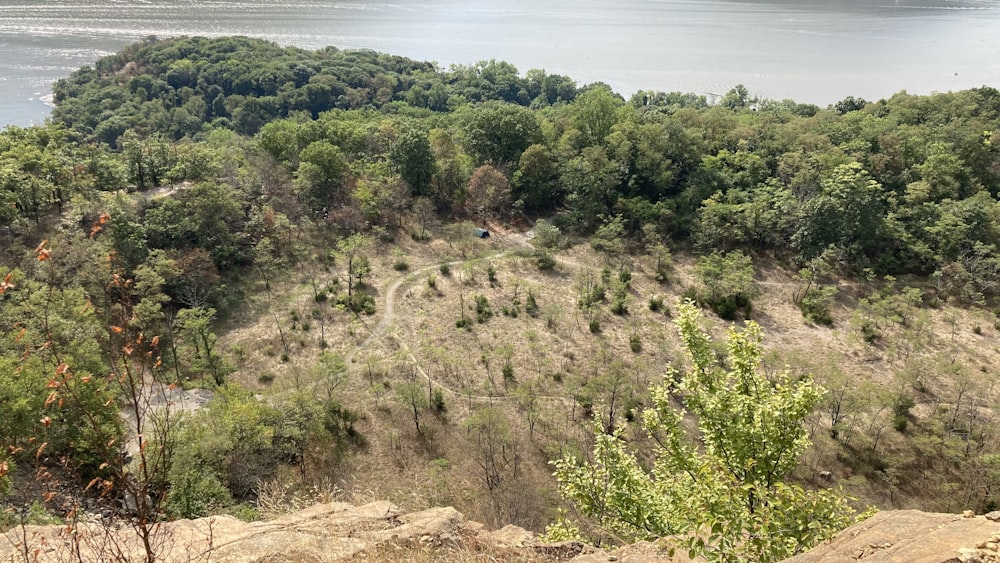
(728, 497)
(727, 284)
(411, 155)
(322, 171)
(891, 317)
(226, 450)
(481, 305)
(54, 370)
(815, 305)
(498, 133)
(249, 157)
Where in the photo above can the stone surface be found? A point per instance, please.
(376, 531)
(380, 531)
(908, 536)
(642, 552)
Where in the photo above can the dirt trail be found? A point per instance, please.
(519, 241)
(389, 307)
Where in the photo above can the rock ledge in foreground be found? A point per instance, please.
(912, 536)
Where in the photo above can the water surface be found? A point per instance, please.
(816, 51)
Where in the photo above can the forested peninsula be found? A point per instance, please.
(243, 278)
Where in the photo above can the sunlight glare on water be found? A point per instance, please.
(816, 51)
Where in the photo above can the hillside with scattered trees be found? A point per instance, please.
(241, 278)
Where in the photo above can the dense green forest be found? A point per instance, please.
(179, 181)
(905, 185)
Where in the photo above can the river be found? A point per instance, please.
(816, 51)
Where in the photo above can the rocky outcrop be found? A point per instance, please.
(380, 531)
(327, 532)
(912, 536)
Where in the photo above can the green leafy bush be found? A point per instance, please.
(815, 305)
(726, 494)
(544, 260)
(483, 310)
(727, 284)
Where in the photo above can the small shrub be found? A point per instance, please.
(690, 294)
(625, 276)
(726, 284)
(728, 307)
(483, 310)
(655, 304)
(462, 323)
(619, 307)
(240, 353)
(635, 343)
(530, 305)
(265, 378)
(977, 330)
(437, 401)
(35, 514)
(547, 236)
(284, 357)
(592, 296)
(243, 511)
(445, 269)
(595, 325)
(432, 281)
(508, 373)
(491, 274)
(815, 305)
(362, 303)
(320, 297)
(306, 326)
(662, 273)
(400, 265)
(295, 316)
(870, 332)
(900, 423)
(901, 406)
(544, 260)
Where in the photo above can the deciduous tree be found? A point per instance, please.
(728, 496)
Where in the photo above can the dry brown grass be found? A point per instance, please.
(464, 553)
(555, 355)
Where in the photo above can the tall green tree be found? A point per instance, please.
(412, 157)
(498, 133)
(595, 112)
(322, 174)
(848, 214)
(352, 250)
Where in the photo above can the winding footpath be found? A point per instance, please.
(389, 315)
(520, 242)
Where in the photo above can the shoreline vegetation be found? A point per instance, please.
(292, 231)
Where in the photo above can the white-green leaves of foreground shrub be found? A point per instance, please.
(726, 496)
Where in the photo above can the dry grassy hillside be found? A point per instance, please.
(547, 374)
